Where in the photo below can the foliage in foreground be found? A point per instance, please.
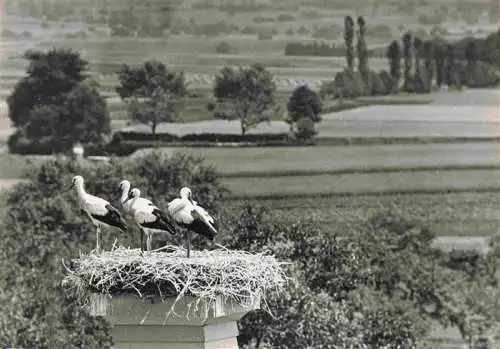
(384, 283)
(43, 225)
(378, 284)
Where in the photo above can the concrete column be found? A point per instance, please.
(146, 324)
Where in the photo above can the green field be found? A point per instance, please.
(361, 183)
(452, 214)
(320, 159)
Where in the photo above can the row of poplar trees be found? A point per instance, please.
(423, 61)
(349, 29)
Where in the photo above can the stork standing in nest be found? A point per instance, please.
(188, 214)
(124, 188)
(100, 211)
(149, 217)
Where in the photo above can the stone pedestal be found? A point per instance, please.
(144, 324)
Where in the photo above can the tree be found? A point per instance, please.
(303, 103)
(362, 49)
(427, 55)
(394, 56)
(407, 55)
(471, 57)
(40, 312)
(418, 46)
(153, 93)
(349, 40)
(439, 57)
(244, 94)
(54, 104)
(450, 74)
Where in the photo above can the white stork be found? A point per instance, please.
(100, 211)
(149, 217)
(187, 213)
(124, 188)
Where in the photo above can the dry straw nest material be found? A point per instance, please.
(237, 275)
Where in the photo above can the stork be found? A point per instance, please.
(124, 188)
(149, 217)
(100, 211)
(187, 213)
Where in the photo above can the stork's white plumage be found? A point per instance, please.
(187, 213)
(124, 188)
(100, 211)
(149, 217)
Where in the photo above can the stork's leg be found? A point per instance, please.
(149, 240)
(98, 233)
(188, 235)
(142, 239)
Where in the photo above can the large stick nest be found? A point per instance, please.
(237, 275)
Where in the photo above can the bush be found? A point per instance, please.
(305, 129)
(285, 17)
(304, 102)
(387, 80)
(290, 32)
(264, 36)
(42, 314)
(378, 86)
(223, 48)
(350, 84)
(367, 276)
(328, 89)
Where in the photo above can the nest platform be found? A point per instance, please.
(199, 282)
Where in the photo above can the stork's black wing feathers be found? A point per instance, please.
(165, 221)
(199, 226)
(112, 218)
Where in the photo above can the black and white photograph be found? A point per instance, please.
(249, 174)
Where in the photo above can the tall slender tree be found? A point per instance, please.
(349, 39)
(471, 57)
(418, 47)
(449, 67)
(362, 49)
(394, 56)
(407, 55)
(363, 56)
(439, 57)
(427, 55)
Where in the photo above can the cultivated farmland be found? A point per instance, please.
(277, 161)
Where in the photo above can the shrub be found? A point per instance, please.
(285, 17)
(289, 32)
(350, 84)
(378, 86)
(305, 129)
(387, 80)
(328, 89)
(223, 48)
(264, 36)
(304, 102)
(42, 314)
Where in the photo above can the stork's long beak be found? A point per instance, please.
(70, 187)
(128, 199)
